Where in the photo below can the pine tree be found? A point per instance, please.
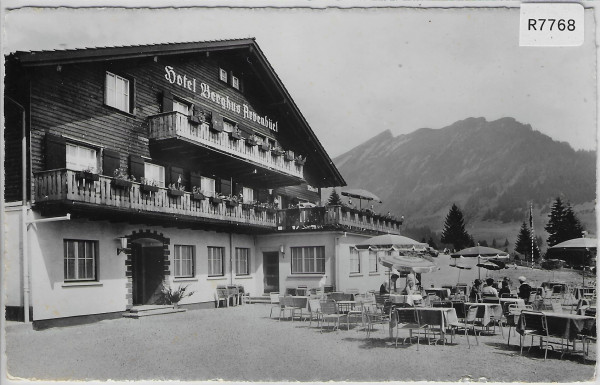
(506, 243)
(494, 245)
(454, 232)
(523, 244)
(334, 199)
(431, 243)
(563, 224)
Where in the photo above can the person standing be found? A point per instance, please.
(524, 289)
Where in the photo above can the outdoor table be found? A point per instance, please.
(433, 316)
(565, 325)
(589, 311)
(486, 311)
(441, 292)
(409, 299)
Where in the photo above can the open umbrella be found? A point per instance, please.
(460, 267)
(577, 249)
(480, 252)
(360, 194)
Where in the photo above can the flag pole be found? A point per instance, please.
(531, 227)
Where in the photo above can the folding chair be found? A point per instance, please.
(534, 324)
(408, 319)
(469, 323)
(314, 308)
(222, 295)
(329, 311)
(274, 296)
(288, 304)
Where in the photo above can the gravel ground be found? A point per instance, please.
(243, 344)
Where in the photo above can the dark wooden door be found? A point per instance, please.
(148, 266)
(271, 271)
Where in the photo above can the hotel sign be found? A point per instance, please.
(224, 102)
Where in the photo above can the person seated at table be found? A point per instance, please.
(524, 289)
(383, 289)
(505, 288)
(411, 286)
(475, 293)
(394, 277)
(488, 289)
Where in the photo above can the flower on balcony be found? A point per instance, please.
(148, 185)
(89, 174)
(300, 160)
(176, 189)
(197, 194)
(289, 155)
(121, 178)
(236, 134)
(252, 141)
(277, 151)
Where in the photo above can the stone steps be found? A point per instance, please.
(150, 310)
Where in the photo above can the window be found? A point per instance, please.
(228, 126)
(242, 261)
(81, 158)
(154, 172)
(373, 262)
(215, 261)
(354, 260)
(207, 186)
(235, 82)
(117, 92)
(222, 75)
(80, 260)
(181, 107)
(184, 261)
(308, 259)
(247, 195)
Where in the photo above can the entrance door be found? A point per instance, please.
(271, 271)
(147, 273)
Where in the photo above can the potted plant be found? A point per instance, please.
(231, 201)
(289, 156)
(173, 296)
(277, 151)
(217, 199)
(300, 160)
(88, 175)
(260, 206)
(236, 134)
(252, 141)
(148, 185)
(176, 190)
(121, 179)
(197, 194)
(264, 146)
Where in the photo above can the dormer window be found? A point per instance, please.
(117, 92)
(222, 75)
(235, 82)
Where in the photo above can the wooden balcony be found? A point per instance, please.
(175, 125)
(104, 200)
(336, 217)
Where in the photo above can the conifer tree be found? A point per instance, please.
(334, 199)
(523, 244)
(454, 232)
(563, 224)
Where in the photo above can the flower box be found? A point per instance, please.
(271, 211)
(197, 196)
(251, 142)
(247, 206)
(260, 208)
(264, 147)
(231, 203)
(289, 156)
(175, 193)
(88, 176)
(275, 152)
(194, 119)
(148, 188)
(235, 136)
(121, 183)
(300, 162)
(215, 200)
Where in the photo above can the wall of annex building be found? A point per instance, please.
(12, 287)
(364, 276)
(52, 297)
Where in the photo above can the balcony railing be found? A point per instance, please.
(175, 124)
(336, 217)
(67, 185)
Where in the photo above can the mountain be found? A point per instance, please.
(491, 170)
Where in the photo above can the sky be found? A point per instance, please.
(356, 72)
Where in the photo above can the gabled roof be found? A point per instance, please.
(329, 174)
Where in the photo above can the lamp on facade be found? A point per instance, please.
(123, 244)
(282, 251)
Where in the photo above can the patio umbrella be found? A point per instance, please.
(480, 252)
(460, 267)
(360, 194)
(582, 249)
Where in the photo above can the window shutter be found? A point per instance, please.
(217, 121)
(195, 179)
(174, 173)
(111, 161)
(56, 152)
(225, 187)
(167, 101)
(263, 195)
(136, 167)
(132, 96)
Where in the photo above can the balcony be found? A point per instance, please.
(102, 199)
(336, 217)
(172, 131)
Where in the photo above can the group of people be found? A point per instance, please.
(410, 288)
(489, 289)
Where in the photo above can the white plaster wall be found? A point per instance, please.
(53, 298)
(13, 271)
(364, 280)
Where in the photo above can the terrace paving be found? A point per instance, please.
(243, 344)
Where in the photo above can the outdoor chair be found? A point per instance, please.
(468, 323)
(301, 290)
(380, 301)
(374, 317)
(288, 305)
(330, 312)
(244, 297)
(234, 294)
(222, 295)
(408, 319)
(274, 296)
(314, 308)
(534, 324)
(327, 288)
